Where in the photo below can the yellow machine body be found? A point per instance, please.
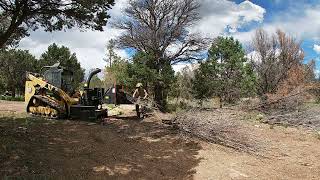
(33, 84)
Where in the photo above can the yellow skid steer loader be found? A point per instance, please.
(49, 95)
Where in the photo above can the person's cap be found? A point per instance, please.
(139, 85)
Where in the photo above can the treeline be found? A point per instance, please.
(14, 64)
(159, 32)
(228, 72)
(277, 66)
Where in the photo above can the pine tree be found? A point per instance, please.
(225, 74)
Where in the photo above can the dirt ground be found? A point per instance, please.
(127, 148)
(288, 154)
(11, 107)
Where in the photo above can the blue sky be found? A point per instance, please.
(298, 18)
(238, 18)
(276, 8)
(294, 8)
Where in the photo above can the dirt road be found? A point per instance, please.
(288, 153)
(11, 106)
(127, 148)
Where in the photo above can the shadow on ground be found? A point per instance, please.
(123, 149)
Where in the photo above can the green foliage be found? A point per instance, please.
(117, 72)
(96, 82)
(117, 68)
(167, 76)
(225, 74)
(63, 55)
(145, 70)
(13, 66)
(2, 83)
(249, 81)
(9, 98)
(204, 81)
(19, 17)
(141, 70)
(181, 88)
(112, 56)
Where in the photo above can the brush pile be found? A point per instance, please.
(220, 126)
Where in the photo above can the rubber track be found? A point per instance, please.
(52, 104)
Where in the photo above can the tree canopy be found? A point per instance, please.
(277, 54)
(117, 72)
(183, 84)
(67, 59)
(160, 28)
(18, 17)
(225, 74)
(13, 67)
(96, 82)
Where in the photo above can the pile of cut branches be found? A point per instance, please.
(220, 126)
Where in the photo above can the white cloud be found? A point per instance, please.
(244, 37)
(180, 67)
(221, 14)
(317, 73)
(251, 12)
(303, 24)
(316, 48)
(118, 9)
(88, 45)
(254, 56)
(299, 23)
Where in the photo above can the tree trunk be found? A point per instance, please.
(220, 102)
(2, 42)
(159, 96)
(13, 91)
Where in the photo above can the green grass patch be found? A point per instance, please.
(9, 98)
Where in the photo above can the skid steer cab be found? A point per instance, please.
(50, 94)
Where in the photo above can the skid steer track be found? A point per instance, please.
(48, 103)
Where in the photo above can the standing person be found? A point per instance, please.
(140, 94)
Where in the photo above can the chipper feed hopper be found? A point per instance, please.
(51, 95)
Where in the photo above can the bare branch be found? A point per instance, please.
(278, 55)
(155, 26)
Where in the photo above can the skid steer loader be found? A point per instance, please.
(50, 95)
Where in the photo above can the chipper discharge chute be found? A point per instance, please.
(50, 95)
